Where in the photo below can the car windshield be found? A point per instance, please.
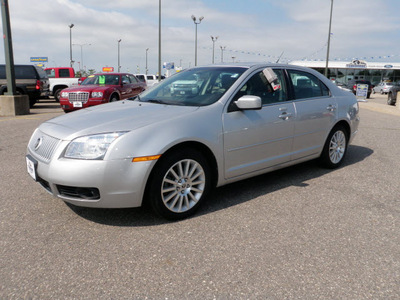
(194, 87)
(102, 79)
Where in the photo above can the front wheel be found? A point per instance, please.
(335, 148)
(179, 184)
(113, 98)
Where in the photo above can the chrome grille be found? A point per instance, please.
(42, 145)
(78, 97)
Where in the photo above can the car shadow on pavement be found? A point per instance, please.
(226, 196)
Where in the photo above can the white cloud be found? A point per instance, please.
(265, 27)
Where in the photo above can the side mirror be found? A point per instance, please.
(249, 102)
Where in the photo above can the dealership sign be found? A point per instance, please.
(358, 64)
(39, 59)
(108, 69)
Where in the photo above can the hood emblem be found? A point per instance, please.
(38, 143)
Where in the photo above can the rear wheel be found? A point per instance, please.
(179, 184)
(57, 95)
(335, 148)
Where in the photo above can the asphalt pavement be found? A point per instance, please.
(299, 233)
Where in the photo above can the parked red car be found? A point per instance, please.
(101, 88)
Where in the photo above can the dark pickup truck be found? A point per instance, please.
(30, 80)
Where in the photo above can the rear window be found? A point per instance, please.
(21, 72)
(41, 72)
(64, 73)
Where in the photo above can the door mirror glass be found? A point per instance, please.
(249, 102)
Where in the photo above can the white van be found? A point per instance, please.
(150, 79)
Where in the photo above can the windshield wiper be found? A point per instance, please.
(157, 101)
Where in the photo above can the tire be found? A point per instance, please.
(114, 98)
(179, 183)
(335, 148)
(382, 92)
(32, 102)
(57, 95)
(390, 100)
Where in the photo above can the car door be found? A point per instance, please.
(316, 113)
(258, 139)
(137, 86)
(126, 86)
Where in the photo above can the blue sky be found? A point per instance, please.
(256, 30)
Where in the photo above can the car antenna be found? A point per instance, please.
(280, 56)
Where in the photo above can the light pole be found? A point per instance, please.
(222, 53)
(81, 45)
(70, 44)
(119, 64)
(195, 39)
(147, 49)
(159, 40)
(214, 39)
(329, 41)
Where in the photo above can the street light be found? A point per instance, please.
(159, 40)
(70, 44)
(81, 45)
(119, 64)
(147, 49)
(214, 39)
(195, 39)
(222, 53)
(329, 41)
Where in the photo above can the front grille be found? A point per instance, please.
(43, 145)
(78, 97)
(79, 192)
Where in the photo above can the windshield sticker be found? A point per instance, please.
(102, 79)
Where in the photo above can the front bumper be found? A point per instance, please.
(92, 183)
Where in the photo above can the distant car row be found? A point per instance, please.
(101, 88)
(75, 93)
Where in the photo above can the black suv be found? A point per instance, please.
(30, 80)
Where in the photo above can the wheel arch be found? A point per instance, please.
(346, 126)
(59, 87)
(191, 145)
(114, 93)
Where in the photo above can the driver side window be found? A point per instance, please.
(258, 85)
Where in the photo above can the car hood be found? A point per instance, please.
(87, 88)
(112, 117)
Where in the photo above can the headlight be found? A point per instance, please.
(64, 94)
(97, 94)
(91, 146)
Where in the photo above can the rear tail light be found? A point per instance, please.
(38, 84)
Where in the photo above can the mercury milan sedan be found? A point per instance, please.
(101, 88)
(170, 149)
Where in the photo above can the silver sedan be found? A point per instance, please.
(201, 128)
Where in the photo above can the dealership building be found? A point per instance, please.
(342, 71)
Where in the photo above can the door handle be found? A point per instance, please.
(331, 107)
(285, 116)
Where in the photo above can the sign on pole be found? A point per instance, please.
(362, 91)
